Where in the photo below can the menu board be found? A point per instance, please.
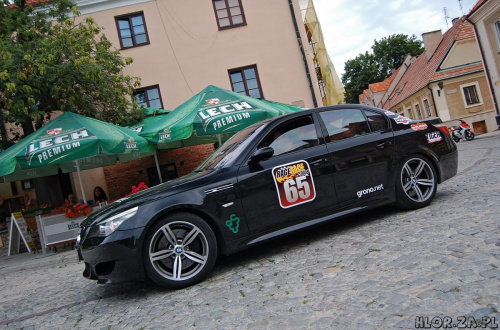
(19, 230)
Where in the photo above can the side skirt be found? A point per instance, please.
(247, 242)
(303, 225)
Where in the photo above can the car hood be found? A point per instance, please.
(189, 181)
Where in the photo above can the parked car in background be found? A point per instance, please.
(270, 179)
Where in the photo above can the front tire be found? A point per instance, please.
(416, 183)
(179, 250)
(469, 136)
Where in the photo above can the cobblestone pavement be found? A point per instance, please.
(379, 270)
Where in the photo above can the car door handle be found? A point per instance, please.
(384, 144)
(319, 162)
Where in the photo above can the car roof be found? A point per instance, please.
(320, 109)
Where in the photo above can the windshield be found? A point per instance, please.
(232, 148)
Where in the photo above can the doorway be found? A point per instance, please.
(53, 189)
(479, 127)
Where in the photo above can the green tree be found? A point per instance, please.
(50, 62)
(358, 73)
(388, 54)
(391, 51)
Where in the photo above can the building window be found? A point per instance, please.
(168, 172)
(497, 31)
(132, 30)
(427, 108)
(229, 13)
(471, 94)
(321, 83)
(322, 90)
(408, 113)
(417, 109)
(246, 81)
(149, 97)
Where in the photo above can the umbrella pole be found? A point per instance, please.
(80, 179)
(158, 168)
(218, 137)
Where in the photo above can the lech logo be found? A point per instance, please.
(130, 144)
(219, 116)
(47, 148)
(165, 135)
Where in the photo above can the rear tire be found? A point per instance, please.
(416, 182)
(179, 250)
(456, 139)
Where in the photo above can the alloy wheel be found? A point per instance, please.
(417, 180)
(178, 250)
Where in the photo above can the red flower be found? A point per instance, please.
(136, 189)
(73, 211)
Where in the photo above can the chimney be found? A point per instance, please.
(454, 20)
(431, 41)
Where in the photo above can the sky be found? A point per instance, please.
(350, 27)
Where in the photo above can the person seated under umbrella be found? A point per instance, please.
(72, 200)
(99, 196)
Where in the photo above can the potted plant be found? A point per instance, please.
(75, 210)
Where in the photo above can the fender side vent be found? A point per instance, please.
(219, 189)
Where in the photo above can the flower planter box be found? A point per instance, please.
(57, 229)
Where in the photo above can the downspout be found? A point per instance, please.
(485, 66)
(299, 40)
(433, 100)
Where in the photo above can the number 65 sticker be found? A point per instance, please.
(294, 183)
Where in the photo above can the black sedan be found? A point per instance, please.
(270, 179)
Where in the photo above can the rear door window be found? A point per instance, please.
(344, 124)
(377, 121)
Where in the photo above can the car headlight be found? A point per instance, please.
(108, 226)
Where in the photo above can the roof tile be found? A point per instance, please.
(379, 87)
(457, 71)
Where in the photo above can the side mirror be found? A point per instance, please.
(262, 154)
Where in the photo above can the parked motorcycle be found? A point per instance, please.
(462, 131)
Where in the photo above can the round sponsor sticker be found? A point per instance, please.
(419, 126)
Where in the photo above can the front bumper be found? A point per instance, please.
(115, 259)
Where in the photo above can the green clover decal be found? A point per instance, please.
(233, 223)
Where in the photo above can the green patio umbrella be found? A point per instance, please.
(71, 142)
(152, 118)
(156, 111)
(212, 114)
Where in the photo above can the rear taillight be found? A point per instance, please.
(443, 129)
